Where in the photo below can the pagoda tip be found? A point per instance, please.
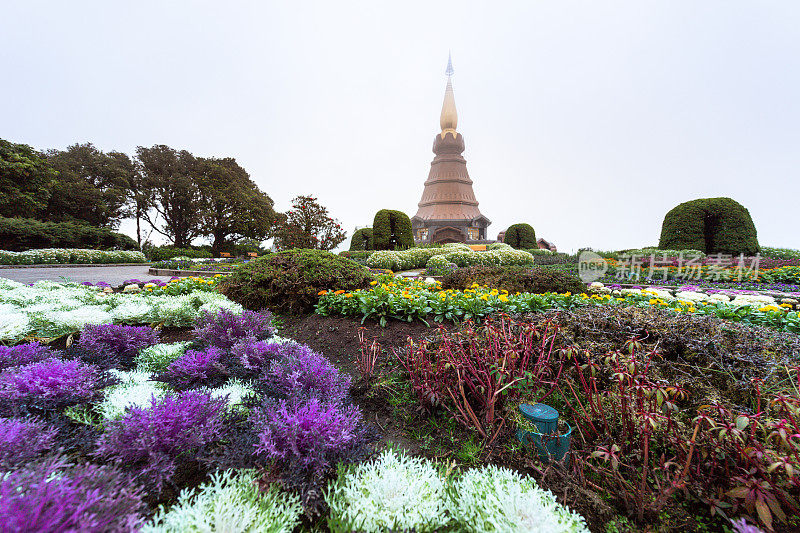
(449, 70)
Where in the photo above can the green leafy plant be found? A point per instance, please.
(520, 236)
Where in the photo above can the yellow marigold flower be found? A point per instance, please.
(474, 285)
(652, 301)
(494, 292)
(322, 293)
(503, 298)
(567, 293)
(484, 297)
(348, 295)
(691, 309)
(373, 283)
(620, 299)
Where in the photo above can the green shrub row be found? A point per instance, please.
(20, 234)
(53, 256)
(436, 260)
(780, 253)
(514, 279)
(161, 253)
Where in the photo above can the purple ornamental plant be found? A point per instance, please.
(309, 434)
(254, 354)
(53, 382)
(57, 497)
(224, 328)
(172, 429)
(194, 367)
(22, 440)
(117, 345)
(303, 373)
(24, 354)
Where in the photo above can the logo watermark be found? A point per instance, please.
(591, 266)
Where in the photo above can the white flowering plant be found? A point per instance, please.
(57, 256)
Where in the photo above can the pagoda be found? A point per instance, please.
(448, 210)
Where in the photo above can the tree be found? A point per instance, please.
(309, 226)
(171, 175)
(25, 178)
(521, 236)
(391, 230)
(91, 187)
(234, 208)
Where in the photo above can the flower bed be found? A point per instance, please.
(181, 433)
(200, 265)
(70, 256)
(48, 309)
(408, 300)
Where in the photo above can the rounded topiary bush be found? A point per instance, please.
(290, 281)
(362, 240)
(514, 279)
(391, 230)
(712, 225)
(520, 236)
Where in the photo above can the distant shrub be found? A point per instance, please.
(391, 230)
(57, 497)
(232, 502)
(780, 253)
(24, 354)
(712, 225)
(521, 236)
(20, 234)
(514, 279)
(162, 253)
(23, 440)
(290, 281)
(50, 384)
(151, 441)
(111, 345)
(225, 328)
(308, 435)
(439, 266)
(302, 373)
(362, 240)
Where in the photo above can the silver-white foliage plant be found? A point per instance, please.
(230, 502)
(394, 492)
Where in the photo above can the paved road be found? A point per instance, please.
(114, 275)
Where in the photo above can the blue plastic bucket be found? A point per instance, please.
(548, 446)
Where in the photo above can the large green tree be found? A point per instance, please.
(233, 207)
(91, 187)
(25, 178)
(172, 177)
(308, 225)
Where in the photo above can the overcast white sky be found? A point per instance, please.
(587, 119)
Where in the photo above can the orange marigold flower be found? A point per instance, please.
(322, 293)
(340, 291)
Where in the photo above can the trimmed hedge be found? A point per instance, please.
(162, 253)
(290, 281)
(514, 279)
(362, 240)
(391, 230)
(521, 236)
(59, 256)
(711, 225)
(20, 234)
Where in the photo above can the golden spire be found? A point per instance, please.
(449, 117)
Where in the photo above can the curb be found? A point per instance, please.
(74, 265)
(180, 273)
